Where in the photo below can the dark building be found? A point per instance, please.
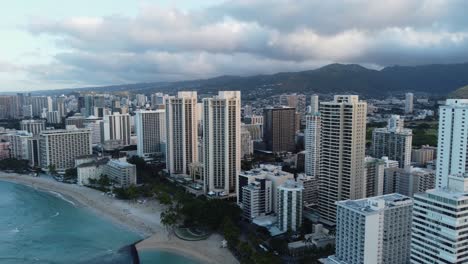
(279, 129)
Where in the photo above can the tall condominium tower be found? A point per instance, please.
(375, 171)
(312, 144)
(59, 148)
(221, 141)
(409, 97)
(116, 127)
(373, 230)
(314, 104)
(440, 216)
(182, 132)
(394, 142)
(34, 126)
(289, 207)
(60, 106)
(279, 129)
(150, 129)
(342, 153)
(453, 140)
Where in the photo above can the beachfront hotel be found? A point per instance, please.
(150, 126)
(182, 132)
(221, 142)
(60, 147)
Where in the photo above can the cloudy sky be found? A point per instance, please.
(52, 44)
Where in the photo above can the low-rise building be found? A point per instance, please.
(121, 172)
(91, 170)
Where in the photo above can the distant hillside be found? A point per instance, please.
(460, 93)
(437, 79)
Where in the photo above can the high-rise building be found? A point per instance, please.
(34, 126)
(150, 126)
(158, 100)
(342, 153)
(96, 129)
(408, 181)
(181, 132)
(53, 117)
(257, 199)
(116, 127)
(140, 100)
(440, 218)
(39, 103)
(279, 129)
(255, 130)
(409, 100)
(26, 111)
(452, 147)
(246, 143)
(423, 155)
(297, 101)
(373, 230)
(19, 144)
(375, 169)
(312, 144)
(77, 120)
(221, 142)
(289, 206)
(60, 106)
(9, 107)
(314, 104)
(268, 172)
(59, 148)
(34, 151)
(310, 192)
(394, 141)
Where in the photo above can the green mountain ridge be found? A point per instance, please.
(435, 79)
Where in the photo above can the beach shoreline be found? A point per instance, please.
(142, 219)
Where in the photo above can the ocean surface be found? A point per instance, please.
(41, 227)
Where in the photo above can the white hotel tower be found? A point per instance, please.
(150, 126)
(182, 132)
(374, 230)
(440, 223)
(453, 140)
(221, 142)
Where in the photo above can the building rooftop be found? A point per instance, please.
(375, 204)
(121, 163)
(94, 163)
(266, 169)
(291, 185)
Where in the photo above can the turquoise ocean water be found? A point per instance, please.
(39, 227)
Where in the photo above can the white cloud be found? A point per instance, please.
(254, 36)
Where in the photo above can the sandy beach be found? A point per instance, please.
(143, 219)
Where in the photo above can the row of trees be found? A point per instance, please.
(16, 165)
